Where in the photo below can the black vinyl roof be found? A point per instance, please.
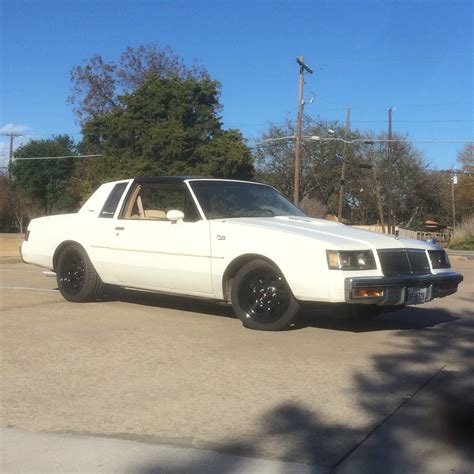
(166, 179)
(181, 179)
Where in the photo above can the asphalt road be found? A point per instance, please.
(394, 394)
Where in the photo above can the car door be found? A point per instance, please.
(102, 233)
(155, 253)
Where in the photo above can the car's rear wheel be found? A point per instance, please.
(76, 276)
(261, 298)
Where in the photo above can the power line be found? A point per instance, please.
(393, 140)
(11, 134)
(375, 59)
(330, 107)
(40, 133)
(368, 141)
(362, 121)
(417, 121)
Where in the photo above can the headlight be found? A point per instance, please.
(439, 259)
(351, 260)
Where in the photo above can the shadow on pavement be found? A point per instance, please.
(408, 383)
(161, 300)
(334, 318)
(407, 318)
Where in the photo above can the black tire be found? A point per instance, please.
(76, 276)
(261, 297)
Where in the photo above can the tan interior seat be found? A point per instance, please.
(154, 214)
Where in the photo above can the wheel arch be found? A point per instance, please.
(61, 247)
(236, 264)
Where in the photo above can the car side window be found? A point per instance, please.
(152, 201)
(111, 203)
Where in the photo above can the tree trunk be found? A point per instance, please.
(413, 216)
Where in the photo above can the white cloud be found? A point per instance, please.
(12, 128)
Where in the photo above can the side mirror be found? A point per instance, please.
(175, 216)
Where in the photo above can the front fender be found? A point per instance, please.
(302, 263)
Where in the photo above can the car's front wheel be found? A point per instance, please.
(261, 298)
(76, 276)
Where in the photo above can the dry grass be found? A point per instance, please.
(463, 235)
(10, 244)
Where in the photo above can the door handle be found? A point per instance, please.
(120, 228)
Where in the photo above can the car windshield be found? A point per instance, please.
(227, 199)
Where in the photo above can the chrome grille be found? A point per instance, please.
(404, 262)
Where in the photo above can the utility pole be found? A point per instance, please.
(377, 195)
(303, 68)
(389, 173)
(10, 159)
(454, 181)
(12, 136)
(343, 168)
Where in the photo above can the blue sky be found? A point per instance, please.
(416, 56)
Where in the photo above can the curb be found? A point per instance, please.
(460, 256)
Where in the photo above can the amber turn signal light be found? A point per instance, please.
(370, 293)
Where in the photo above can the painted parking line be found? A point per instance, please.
(25, 288)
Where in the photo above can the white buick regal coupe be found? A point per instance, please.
(233, 241)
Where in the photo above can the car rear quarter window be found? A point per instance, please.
(112, 201)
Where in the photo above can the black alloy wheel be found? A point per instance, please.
(76, 276)
(261, 297)
(73, 275)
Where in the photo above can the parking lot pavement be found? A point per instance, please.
(330, 392)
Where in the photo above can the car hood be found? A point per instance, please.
(335, 235)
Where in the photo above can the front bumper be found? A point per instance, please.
(394, 288)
